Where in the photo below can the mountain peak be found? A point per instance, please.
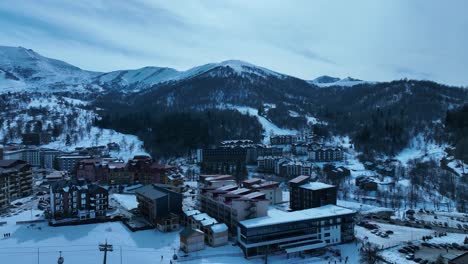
(325, 79)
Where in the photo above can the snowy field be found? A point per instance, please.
(79, 244)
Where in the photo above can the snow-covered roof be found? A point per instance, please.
(276, 216)
(191, 212)
(316, 186)
(200, 217)
(218, 228)
(208, 222)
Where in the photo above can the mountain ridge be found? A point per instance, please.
(34, 72)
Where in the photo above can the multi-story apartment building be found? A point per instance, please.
(69, 162)
(77, 199)
(159, 171)
(222, 159)
(118, 173)
(36, 157)
(267, 163)
(160, 205)
(91, 170)
(142, 167)
(15, 181)
(271, 189)
(305, 194)
(284, 139)
(298, 231)
(325, 154)
(253, 150)
(293, 168)
(315, 222)
(231, 204)
(215, 181)
(49, 158)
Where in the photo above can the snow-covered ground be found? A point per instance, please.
(128, 201)
(130, 145)
(394, 256)
(79, 244)
(400, 234)
(420, 148)
(458, 166)
(268, 127)
(76, 123)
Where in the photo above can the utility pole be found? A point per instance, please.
(105, 247)
(120, 254)
(37, 255)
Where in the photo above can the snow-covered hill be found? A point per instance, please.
(23, 69)
(64, 117)
(143, 78)
(327, 81)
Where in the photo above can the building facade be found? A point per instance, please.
(305, 194)
(325, 154)
(15, 181)
(298, 231)
(231, 204)
(157, 202)
(77, 199)
(191, 240)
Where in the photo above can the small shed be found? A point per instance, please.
(191, 240)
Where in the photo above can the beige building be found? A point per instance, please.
(217, 235)
(191, 240)
(215, 181)
(230, 204)
(271, 189)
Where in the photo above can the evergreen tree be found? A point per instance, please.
(68, 140)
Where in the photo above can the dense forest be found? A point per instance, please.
(176, 133)
(381, 118)
(457, 127)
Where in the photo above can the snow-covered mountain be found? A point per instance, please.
(327, 81)
(22, 68)
(143, 78)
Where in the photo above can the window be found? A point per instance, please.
(327, 235)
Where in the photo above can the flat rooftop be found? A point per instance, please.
(276, 216)
(316, 186)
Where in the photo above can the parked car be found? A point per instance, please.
(390, 232)
(410, 256)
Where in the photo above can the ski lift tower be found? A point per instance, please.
(60, 259)
(105, 247)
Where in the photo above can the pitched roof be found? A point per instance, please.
(299, 179)
(188, 232)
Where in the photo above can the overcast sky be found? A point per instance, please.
(373, 40)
